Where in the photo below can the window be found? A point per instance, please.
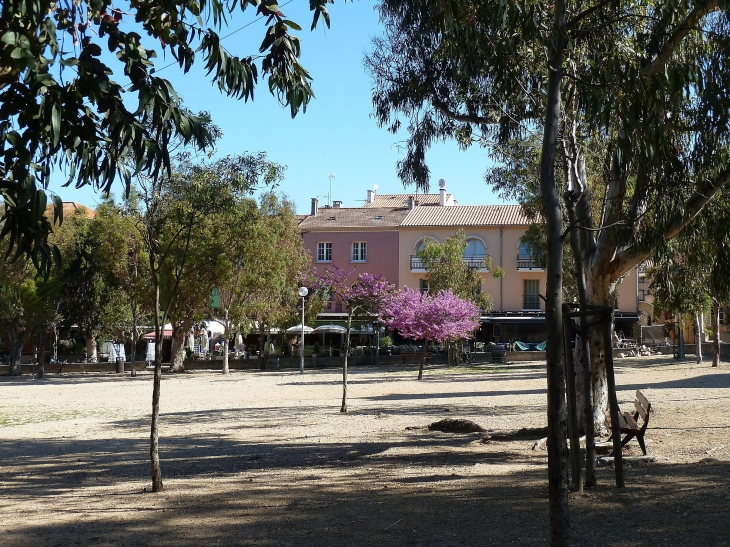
(324, 252)
(423, 286)
(642, 277)
(641, 295)
(525, 250)
(359, 251)
(722, 316)
(532, 294)
(475, 248)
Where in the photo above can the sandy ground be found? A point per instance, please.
(267, 459)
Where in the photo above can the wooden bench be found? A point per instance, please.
(418, 355)
(628, 423)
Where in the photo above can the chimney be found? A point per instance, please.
(337, 204)
(411, 202)
(442, 197)
(371, 196)
(315, 206)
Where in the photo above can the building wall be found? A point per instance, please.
(626, 292)
(382, 248)
(507, 293)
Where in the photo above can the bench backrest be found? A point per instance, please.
(642, 405)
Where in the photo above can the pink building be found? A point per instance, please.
(385, 235)
(363, 239)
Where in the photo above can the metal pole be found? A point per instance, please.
(301, 343)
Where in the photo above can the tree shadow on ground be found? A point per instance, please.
(663, 504)
(708, 381)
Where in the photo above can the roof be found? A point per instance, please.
(401, 200)
(70, 208)
(341, 217)
(467, 215)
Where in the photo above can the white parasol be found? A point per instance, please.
(297, 329)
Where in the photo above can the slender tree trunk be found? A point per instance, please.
(715, 334)
(41, 357)
(226, 334)
(423, 361)
(133, 357)
(343, 408)
(698, 337)
(156, 384)
(262, 361)
(556, 405)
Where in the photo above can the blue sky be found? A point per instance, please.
(337, 134)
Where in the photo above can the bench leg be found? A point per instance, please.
(640, 438)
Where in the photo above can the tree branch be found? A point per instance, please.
(683, 30)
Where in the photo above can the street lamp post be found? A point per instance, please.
(303, 291)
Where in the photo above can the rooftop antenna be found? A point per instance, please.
(329, 197)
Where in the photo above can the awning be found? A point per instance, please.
(626, 319)
(513, 319)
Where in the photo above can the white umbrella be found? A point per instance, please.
(297, 329)
(191, 340)
(331, 329)
(239, 340)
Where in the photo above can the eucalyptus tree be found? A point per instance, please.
(231, 230)
(92, 298)
(274, 261)
(646, 77)
(63, 108)
(124, 261)
(172, 210)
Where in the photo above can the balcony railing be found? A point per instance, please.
(526, 262)
(531, 302)
(473, 263)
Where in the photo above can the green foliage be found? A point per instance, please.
(61, 109)
(448, 271)
(386, 341)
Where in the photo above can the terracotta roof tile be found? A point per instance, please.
(401, 200)
(341, 217)
(468, 215)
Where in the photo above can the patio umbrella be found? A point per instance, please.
(297, 329)
(191, 340)
(336, 329)
(204, 345)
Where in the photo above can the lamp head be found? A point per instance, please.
(303, 291)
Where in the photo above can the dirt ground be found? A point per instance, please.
(267, 459)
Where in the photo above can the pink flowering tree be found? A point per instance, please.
(443, 318)
(367, 294)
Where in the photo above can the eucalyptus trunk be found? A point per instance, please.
(599, 294)
(343, 408)
(91, 355)
(715, 334)
(17, 341)
(556, 405)
(177, 351)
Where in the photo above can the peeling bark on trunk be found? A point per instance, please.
(715, 334)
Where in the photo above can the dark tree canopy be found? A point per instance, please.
(62, 107)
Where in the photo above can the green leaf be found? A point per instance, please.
(55, 125)
(291, 24)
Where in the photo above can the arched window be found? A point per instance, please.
(475, 248)
(421, 242)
